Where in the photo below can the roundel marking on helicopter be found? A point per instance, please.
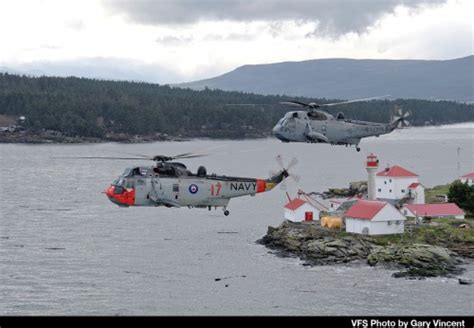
(193, 189)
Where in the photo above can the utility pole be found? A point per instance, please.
(459, 162)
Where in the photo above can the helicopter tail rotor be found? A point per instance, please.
(280, 177)
(400, 118)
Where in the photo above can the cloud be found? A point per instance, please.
(333, 16)
(172, 40)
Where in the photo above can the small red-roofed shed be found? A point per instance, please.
(298, 210)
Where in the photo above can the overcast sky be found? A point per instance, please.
(170, 41)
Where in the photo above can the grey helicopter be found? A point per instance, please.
(317, 126)
(169, 183)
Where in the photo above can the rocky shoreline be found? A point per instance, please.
(317, 245)
(46, 138)
(29, 137)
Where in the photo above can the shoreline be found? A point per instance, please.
(424, 253)
(55, 137)
(42, 139)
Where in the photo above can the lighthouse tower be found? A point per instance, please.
(371, 166)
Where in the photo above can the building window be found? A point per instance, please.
(403, 190)
(380, 189)
(397, 222)
(385, 182)
(389, 222)
(390, 190)
(389, 180)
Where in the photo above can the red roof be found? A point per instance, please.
(365, 209)
(443, 209)
(294, 204)
(413, 185)
(469, 175)
(396, 171)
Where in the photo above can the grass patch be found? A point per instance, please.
(446, 233)
(430, 193)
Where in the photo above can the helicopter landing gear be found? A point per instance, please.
(226, 212)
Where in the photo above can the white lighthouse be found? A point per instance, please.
(371, 166)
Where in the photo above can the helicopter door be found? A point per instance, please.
(175, 191)
(141, 191)
(291, 128)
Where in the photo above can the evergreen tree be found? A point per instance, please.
(463, 195)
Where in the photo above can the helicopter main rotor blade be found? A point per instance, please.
(294, 103)
(352, 101)
(244, 104)
(190, 156)
(181, 155)
(103, 157)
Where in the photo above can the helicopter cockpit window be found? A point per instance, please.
(295, 115)
(317, 116)
(137, 171)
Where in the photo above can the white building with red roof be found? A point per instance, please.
(298, 210)
(468, 178)
(374, 217)
(443, 210)
(395, 183)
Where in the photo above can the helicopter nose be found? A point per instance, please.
(109, 191)
(120, 196)
(276, 128)
(278, 134)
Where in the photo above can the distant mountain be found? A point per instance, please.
(352, 78)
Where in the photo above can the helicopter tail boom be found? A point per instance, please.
(272, 182)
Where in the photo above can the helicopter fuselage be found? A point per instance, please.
(172, 185)
(321, 127)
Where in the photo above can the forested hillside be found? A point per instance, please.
(97, 108)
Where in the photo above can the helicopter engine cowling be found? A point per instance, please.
(201, 172)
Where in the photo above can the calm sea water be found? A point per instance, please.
(66, 250)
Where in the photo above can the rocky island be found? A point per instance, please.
(438, 248)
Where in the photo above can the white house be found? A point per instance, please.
(395, 183)
(297, 209)
(416, 192)
(374, 217)
(443, 210)
(468, 178)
